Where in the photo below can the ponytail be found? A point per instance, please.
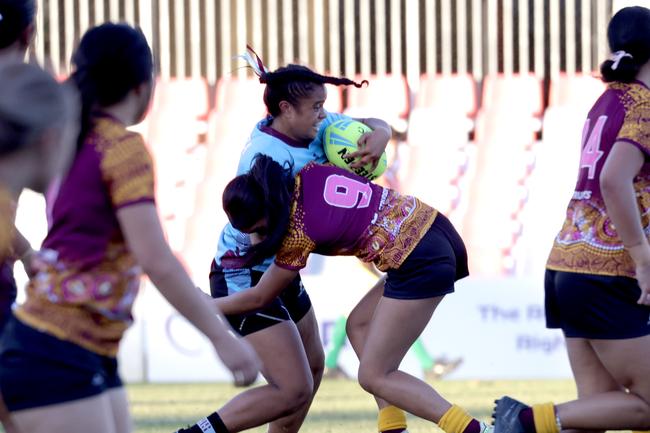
(628, 34)
(264, 192)
(111, 60)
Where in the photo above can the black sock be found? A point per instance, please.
(212, 422)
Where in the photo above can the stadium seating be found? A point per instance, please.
(505, 136)
(386, 97)
(557, 158)
(456, 93)
(176, 129)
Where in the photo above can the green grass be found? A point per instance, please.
(340, 406)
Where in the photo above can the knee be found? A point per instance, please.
(317, 366)
(297, 397)
(356, 327)
(368, 378)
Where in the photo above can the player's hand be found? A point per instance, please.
(640, 253)
(239, 357)
(643, 278)
(371, 147)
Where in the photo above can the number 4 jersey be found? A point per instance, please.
(588, 242)
(335, 212)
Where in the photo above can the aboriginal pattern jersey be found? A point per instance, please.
(89, 279)
(335, 212)
(588, 241)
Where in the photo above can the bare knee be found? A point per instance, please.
(317, 366)
(356, 329)
(369, 378)
(295, 396)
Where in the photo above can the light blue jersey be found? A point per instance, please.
(264, 140)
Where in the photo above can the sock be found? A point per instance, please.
(527, 421)
(391, 418)
(473, 427)
(338, 341)
(421, 353)
(544, 417)
(456, 420)
(211, 424)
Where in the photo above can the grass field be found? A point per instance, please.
(340, 406)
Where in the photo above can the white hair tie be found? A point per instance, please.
(617, 56)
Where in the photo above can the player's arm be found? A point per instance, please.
(146, 240)
(272, 283)
(372, 144)
(616, 183)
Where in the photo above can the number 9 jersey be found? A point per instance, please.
(588, 242)
(336, 212)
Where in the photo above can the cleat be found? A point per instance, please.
(506, 416)
(399, 430)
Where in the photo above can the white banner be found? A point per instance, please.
(496, 326)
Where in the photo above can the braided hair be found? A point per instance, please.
(290, 83)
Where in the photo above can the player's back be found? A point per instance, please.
(337, 205)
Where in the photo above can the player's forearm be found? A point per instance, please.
(175, 285)
(242, 302)
(378, 124)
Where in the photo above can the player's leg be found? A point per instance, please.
(616, 410)
(390, 418)
(92, 414)
(120, 408)
(611, 334)
(289, 383)
(590, 375)
(611, 410)
(278, 343)
(313, 348)
(395, 326)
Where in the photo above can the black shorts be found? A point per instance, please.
(38, 369)
(595, 306)
(432, 268)
(293, 304)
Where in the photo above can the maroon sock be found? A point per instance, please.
(473, 427)
(527, 420)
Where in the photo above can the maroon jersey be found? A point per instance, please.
(335, 212)
(588, 241)
(87, 289)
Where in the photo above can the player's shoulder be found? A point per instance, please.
(632, 96)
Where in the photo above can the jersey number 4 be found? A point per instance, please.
(591, 152)
(341, 191)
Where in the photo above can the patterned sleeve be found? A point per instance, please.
(297, 245)
(636, 125)
(127, 169)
